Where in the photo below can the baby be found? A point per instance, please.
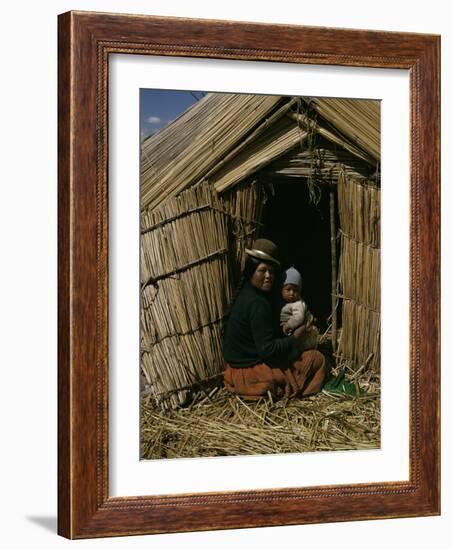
(295, 312)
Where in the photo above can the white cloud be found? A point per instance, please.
(153, 120)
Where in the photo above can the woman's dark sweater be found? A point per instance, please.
(249, 337)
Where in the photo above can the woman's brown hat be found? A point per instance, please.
(264, 250)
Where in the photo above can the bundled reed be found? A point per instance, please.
(186, 287)
(359, 345)
(183, 304)
(184, 152)
(359, 274)
(356, 119)
(324, 162)
(185, 230)
(279, 138)
(174, 365)
(359, 210)
(245, 204)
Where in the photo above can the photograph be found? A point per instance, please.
(259, 274)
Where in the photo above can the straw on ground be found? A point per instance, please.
(222, 424)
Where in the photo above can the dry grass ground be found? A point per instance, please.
(221, 424)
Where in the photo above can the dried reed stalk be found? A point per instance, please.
(245, 203)
(360, 336)
(182, 304)
(220, 424)
(359, 210)
(184, 229)
(359, 120)
(265, 124)
(185, 151)
(327, 163)
(186, 289)
(278, 139)
(324, 130)
(359, 273)
(180, 361)
(333, 245)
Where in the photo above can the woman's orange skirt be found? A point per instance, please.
(305, 376)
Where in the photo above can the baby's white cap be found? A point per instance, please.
(292, 277)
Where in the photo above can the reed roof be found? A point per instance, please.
(224, 138)
(357, 120)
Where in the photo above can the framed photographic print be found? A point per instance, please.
(248, 275)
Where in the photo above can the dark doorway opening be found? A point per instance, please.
(302, 232)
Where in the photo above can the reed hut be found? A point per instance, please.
(303, 171)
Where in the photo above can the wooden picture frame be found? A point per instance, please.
(85, 508)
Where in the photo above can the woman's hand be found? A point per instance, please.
(285, 328)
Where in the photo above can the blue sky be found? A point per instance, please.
(159, 107)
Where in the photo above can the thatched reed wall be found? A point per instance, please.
(245, 204)
(359, 273)
(186, 287)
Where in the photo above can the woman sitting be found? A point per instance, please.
(256, 360)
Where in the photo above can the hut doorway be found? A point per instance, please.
(303, 234)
